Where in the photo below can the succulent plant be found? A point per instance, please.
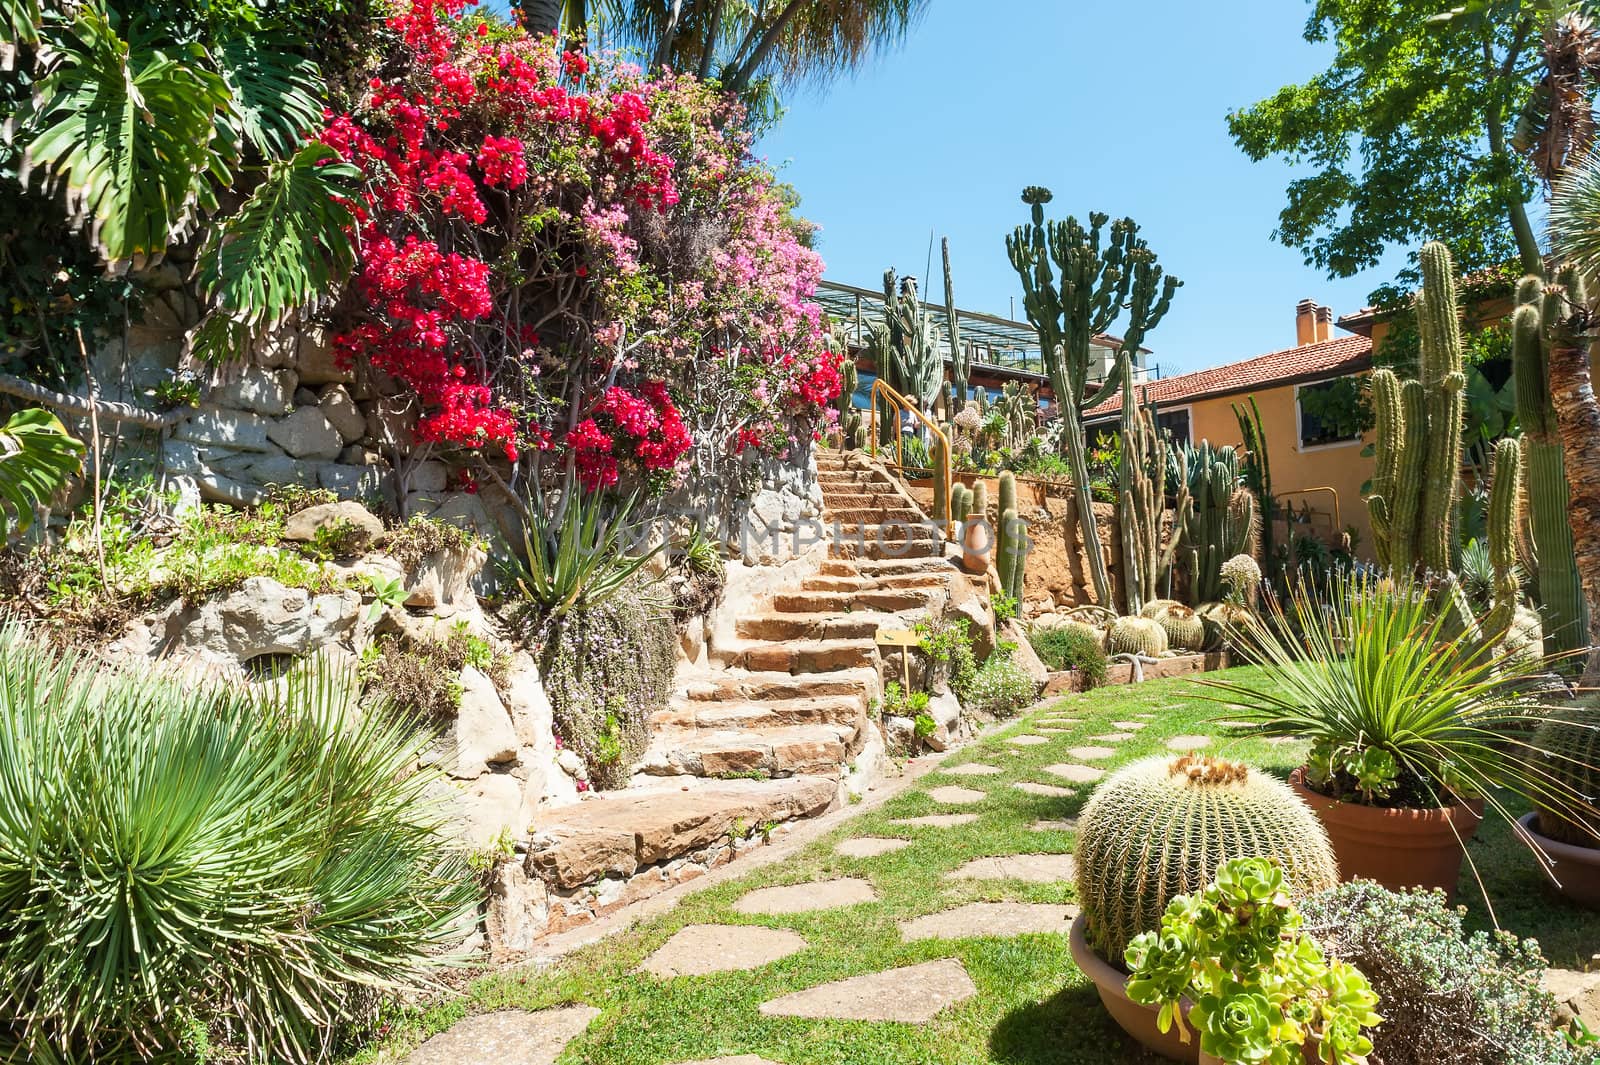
(1156, 607)
(1241, 579)
(1162, 826)
(1569, 741)
(1186, 630)
(1136, 636)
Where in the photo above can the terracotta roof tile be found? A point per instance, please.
(1327, 358)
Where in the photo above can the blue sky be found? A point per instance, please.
(1115, 107)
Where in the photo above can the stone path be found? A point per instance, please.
(871, 846)
(742, 1059)
(1114, 737)
(1027, 741)
(1049, 791)
(1189, 743)
(1131, 726)
(1034, 868)
(803, 898)
(937, 821)
(912, 994)
(506, 1037)
(990, 919)
(1078, 774)
(1092, 754)
(698, 949)
(954, 796)
(973, 769)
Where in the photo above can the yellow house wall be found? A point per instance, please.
(1341, 467)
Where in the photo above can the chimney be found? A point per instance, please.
(1324, 323)
(1305, 323)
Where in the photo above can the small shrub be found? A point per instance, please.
(423, 677)
(948, 646)
(1072, 647)
(420, 537)
(1447, 996)
(999, 688)
(1004, 607)
(195, 862)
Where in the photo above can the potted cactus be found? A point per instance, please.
(1260, 987)
(1570, 838)
(1195, 812)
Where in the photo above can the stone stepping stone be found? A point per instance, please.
(937, 821)
(1189, 743)
(1238, 724)
(1027, 741)
(870, 846)
(1059, 721)
(1131, 726)
(973, 769)
(698, 949)
(912, 994)
(1047, 728)
(1280, 740)
(1090, 754)
(1064, 825)
(506, 1037)
(989, 919)
(1114, 737)
(955, 796)
(803, 898)
(1049, 791)
(1034, 868)
(1145, 717)
(1078, 774)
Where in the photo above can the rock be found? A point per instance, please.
(317, 362)
(481, 733)
(1033, 868)
(306, 434)
(255, 389)
(445, 579)
(1045, 791)
(871, 846)
(392, 423)
(351, 482)
(506, 1037)
(900, 733)
(302, 526)
(912, 994)
(572, 765)
(1577, 996)
(305, 397)
(343, 413)
(699, 949)
(952, 795)
(972, 769)
(263, 617)
(236, 429)
(488, 807)
(1078, 774)
(966, 603)
(531, 715)
(518, 909)
(990, 919)
(282, 470)
(1025, 656)
(946, 710)
(429, 475)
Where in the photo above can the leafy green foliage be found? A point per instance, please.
(126, 130)
(947, 642)
(177, 857)
(1260, 986)
(284, 248)
(37, 457)
(580, 560)
(1446, 995)
(1406, 134)
(276, 93)
(999, 688)
(1072, 646)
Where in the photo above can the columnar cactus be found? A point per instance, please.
(1505, 493)
(1136, 636)
(1223, 520)
(1561, 600)
(960, 502)
(939, 458)
(1160, 827)
(1011, 560)
(852, 427)
(960, 357)
(1008, 491)
(1569, 742)
(1146, 562)
(905, 345)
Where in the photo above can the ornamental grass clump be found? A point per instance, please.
(1261, 988)
(187, 863)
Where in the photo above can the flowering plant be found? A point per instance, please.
(563, 258)
(1261, 988)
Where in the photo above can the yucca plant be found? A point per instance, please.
(1400, 710)
(580, 558)
(260, 863)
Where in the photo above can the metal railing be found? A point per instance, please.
(898, 404)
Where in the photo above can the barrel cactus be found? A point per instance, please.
(1156, 607)
(1186, 630)
(1160, 827)
(1569, 741)
(1136, 636)
(1241, 579)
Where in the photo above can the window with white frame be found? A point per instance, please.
(1328, 412)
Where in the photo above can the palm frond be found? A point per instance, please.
(277, 95)
(125, 131)
(37, 457)
(285, 247)
(1575, 216)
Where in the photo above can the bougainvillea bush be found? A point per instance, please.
(573, 265)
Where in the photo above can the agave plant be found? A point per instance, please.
(1400, 710)
(178, 857)
(580, 558)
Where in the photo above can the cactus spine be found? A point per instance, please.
(1504, 495)
(1569, 738)
(1136, 636)
(1160, 827)
(960, 360)
(1561, 600)
(1184, 628)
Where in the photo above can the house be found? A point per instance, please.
(1313, 468)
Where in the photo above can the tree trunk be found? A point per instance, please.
(1578, 419)
(542, 18)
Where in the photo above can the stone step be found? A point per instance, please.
(888, 601)
(856, 481)
(851, 583)
(819, 626)
(622, 833)
(771, 687)
(795, 656)
(786, 751)
(853, 549)
(861, 499)
(875, 569)
(889, 513)
(688, 714)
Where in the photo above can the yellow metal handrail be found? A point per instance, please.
(1338, 524)
(941, 455)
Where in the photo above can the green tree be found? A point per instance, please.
(1410, 133)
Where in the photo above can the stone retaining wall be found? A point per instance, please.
(1071, 680)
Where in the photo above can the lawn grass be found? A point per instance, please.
(1033, 1006)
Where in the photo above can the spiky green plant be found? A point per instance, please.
(1372, 674)
(960, 502)
(1223, 521)
(1570, 740)
(905, 345)
(577, 559)
(1146, 561)
(1186, 630)
(1161, 827)
(852, 431)
(1136, 636)
(175, 856)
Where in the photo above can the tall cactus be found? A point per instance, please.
(1011, 539)
(905, 347)
(1223, 520)
(939, 458)
(960, 357)
(1561, 600)
(1145, 562)
(1097, 281)
(960, 502)
(1505, 491)
(1256, 471)
(852, 427)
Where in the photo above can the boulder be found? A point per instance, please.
(317, 363)
(351, 482)
(445, 579)
(531, 716)
(488, 807)
(1577, 996)
(481, 733)
(343, 413)
(236, 429)
(1024, 655)
(262, 391)
(262, 617)
(302, 526)
(518, 908)
(306, 434)
(430, 475)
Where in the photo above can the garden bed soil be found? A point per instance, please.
(1071, 680)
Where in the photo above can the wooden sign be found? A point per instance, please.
(904, 639)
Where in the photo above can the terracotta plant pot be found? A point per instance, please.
(1401, 848)
(1576, 870)
(1138, 1020)
(977, 543)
